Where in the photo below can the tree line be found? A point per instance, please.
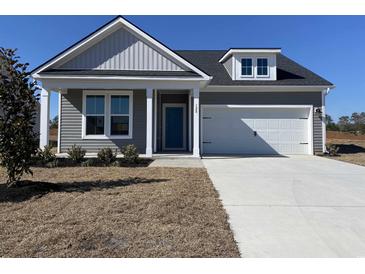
(354, 123)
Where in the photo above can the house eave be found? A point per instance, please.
(142, 78)
(261, 88)
(60, 83)
(230, 52)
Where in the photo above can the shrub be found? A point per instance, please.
(116, 164)
(76, 153)
(131, 155)
(90, 162)
(332, 150)
(52, 164)
(45, 155)
(107, 156)
(18, 103)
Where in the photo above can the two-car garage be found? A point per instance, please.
(257, 129)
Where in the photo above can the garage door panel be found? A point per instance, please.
(231, 130)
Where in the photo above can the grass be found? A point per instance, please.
(351, 147)
(114, 212)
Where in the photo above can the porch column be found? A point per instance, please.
(44, 119)
(149, 124)
(196, 120)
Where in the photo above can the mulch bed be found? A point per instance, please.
(114, 212)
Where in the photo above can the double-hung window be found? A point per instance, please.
(107, 114)
(119, 115)
(246, 67)
(262, 67)
(95, 114)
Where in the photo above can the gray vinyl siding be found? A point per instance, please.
(272, 98)
(121, 50)
(71, 124)
(228, 65)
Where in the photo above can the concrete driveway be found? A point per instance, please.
(303, 206)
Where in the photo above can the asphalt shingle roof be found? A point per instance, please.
(288, 72)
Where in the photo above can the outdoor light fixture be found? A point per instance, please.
(318, 110)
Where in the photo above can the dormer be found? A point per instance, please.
(251, 64)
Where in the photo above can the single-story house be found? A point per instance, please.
(121, 86)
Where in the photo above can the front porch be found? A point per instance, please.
(171, 122)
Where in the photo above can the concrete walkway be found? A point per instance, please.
(302, 206)
(177, 162)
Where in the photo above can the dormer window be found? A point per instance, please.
(246, 67)
(262, 67)
(252, 64)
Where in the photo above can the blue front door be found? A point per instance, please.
(174, 128)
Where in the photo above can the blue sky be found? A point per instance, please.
(331, 46)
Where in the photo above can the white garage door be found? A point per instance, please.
(234, 129)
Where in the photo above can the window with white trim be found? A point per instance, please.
(95, 114)
(246, 67)
(107, 114)
(262, 67)
(119, 115)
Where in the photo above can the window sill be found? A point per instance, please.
(263, 76)
(104, 137)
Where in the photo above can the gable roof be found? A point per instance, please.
(105, 30)
(204, 64)
(289, 73)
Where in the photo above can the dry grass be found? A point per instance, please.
(114, 212)
(351, 147)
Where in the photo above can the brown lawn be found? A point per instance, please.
(114, 212)
(351, 146)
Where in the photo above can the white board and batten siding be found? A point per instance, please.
(121, 50)
(251, 130)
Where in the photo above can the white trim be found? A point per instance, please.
(252, 67)
(257, 106)
(59, 123)
(267, 67)
(324, 126)
(149, 121)
(103, 77)
(189, 120)
(310, 132)
(107, 115)
(196, 122)
(310, 119)
(114, 84)
(233, 51)
(155, 121)
(264, 88)
(44, 119)
(164, 106)
(108, 29)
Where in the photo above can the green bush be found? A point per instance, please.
(332, 150)
(76, 153)
(18, 104)
(107, 156)
(45, 155)
(131, 155)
